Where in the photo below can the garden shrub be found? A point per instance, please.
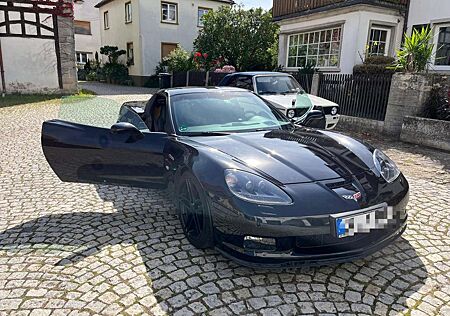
(437, 106)
(375, 65)
(179, 60)
(92, 76)
(82, 74)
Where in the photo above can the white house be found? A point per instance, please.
(436, 14)
(335, 35)
(87, 30)
(150, 30)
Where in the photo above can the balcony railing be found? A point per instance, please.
(287, 8)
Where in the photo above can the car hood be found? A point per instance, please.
(288, 101)
(295, 157)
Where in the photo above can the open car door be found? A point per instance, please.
(127, 153)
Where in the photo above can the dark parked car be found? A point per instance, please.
(245, 179)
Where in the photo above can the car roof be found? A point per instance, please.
(188, 90)
(259, 73)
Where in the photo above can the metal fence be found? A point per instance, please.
(364, 96)
(196, 78)
(305, 80)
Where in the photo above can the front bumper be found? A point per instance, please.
(300, 241)
(291, 259)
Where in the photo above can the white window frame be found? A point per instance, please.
(387, 46)
(79, 58)
(106, 20)
(436, 30)
(306, 35)
(128, 12)
(203, 11)
(170, 5)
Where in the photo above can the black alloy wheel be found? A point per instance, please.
(194, 212)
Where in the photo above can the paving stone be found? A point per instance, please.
(80, 249)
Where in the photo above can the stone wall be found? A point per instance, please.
(67, 53)
(407, 97)
(360, 124)
(428, 132)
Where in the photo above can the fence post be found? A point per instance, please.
(187, 78)
(171, 79)
(315, 84)
(207, 79)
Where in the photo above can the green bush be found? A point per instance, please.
(375, 65)
(379, 60)
(179, 60)
(82, 74)
(92, 76)
(116, 73)
(437, 106)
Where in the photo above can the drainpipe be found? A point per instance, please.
(405, 26)
(2, 71)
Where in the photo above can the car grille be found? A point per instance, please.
(326, 110)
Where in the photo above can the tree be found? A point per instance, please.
(243, 38)
(113, 53)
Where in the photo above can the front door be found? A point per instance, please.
(120, 155)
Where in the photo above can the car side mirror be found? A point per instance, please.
(125, 128)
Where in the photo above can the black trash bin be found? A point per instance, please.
(164, 80)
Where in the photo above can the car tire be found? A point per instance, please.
(194, 212)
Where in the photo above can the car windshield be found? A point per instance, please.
(224, 112)
(277, 85)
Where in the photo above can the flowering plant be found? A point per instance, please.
(226, 69)
(201, 61)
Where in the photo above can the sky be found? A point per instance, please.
(265, 4)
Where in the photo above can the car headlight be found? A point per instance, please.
(255, 189)
(291, 114)
(385, 166)
(334, 110)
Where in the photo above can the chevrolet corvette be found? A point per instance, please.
(247, 181)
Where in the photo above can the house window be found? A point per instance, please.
(106, 20)
(443, 47)
(128, 13)
(82, 27)
(167, 48)
(201, 13)
(319, 48)
(379, 39)
(82, 57)
(169, 12)
(130, 54)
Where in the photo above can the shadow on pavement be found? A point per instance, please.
(148, 220)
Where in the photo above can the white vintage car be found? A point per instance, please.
(282, 90)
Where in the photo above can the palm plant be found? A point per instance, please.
(417, 51)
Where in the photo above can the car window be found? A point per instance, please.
(128, 115)
(277, 85)
(89, 110)
(244, 82)
(224, 112)
(158, 115)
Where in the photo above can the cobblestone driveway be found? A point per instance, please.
(87, 249)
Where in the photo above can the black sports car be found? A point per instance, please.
(247, 181)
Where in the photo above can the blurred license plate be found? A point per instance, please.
(363, 221)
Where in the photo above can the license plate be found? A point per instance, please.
(363, 221)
